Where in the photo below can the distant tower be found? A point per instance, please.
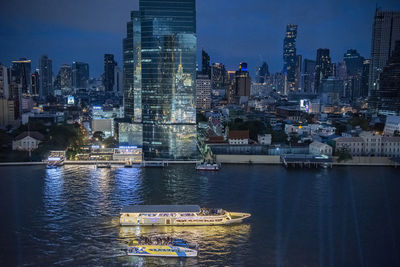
(109, 72)
(46, 76)
(80, 75)
(262, 72)
(323, 67)
(21, 73)
(289, 56)
(205, 64)
(308, 76)
(386, 30)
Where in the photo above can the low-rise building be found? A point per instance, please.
(392, 125)
(27, 141)
(238, 137)
(264, 139)
(318, 148)
(370, 144)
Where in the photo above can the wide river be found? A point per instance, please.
(345, 216)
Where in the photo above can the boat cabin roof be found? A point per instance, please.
(160, 208)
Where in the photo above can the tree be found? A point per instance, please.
(98, 136)
(110, 142)
(344, 154)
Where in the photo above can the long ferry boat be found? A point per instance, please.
(177, 215)
(162, 247)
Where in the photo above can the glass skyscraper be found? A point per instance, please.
(159, 73)
(289, 56)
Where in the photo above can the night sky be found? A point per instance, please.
(231, 31)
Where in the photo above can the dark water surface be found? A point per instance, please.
(345, 216)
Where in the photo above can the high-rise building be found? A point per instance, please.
(132, 71)
(46, 76)
(262, 73)
(218, 76)
(4, 82)
(205, 64)
(385, 32)
(80, 75)
(308, 76)
(388, 95)
(354, 62)
(323, 67)
(36, 83)
(65, 76)
(21, 72)
(203, 92)
(299, 62)
(109, 72)
(241, 87)
(289, 56)
(161, 44)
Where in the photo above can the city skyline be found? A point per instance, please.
(87, 39)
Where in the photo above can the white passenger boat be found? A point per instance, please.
(162, 247)
(207, 166)
(178, 215)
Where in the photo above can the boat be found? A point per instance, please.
(161, 247)
(51, 166)
(178, 215)
(103, 166)
(205, 166)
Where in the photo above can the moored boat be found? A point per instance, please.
(178, 215)
(162, 247)
(207, 166)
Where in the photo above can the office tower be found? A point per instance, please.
(331, 90)
(262, 73)
(205, 64)
(388, 95)
(386, 30)
(80, 75)
(341, 70)
(218, 76)
(132, 71)
(354, 62)
(46, 76)
(308, 76)
(203, 92)
(21, 73)
(109, 72)
(4, 82)
(365, 78)
(299, 61)
(162, 69)
(289, 56)
(241, 86)
(35, 83)
(323, 67)
(65, 75)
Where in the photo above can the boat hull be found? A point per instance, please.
(161, 251)
(229, 218)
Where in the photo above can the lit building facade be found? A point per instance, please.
(289, 56)
(160, 77)
(323, 67)
(203, 92)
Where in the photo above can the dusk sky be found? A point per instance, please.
(230, 31)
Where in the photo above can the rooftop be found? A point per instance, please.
(160, 208)
(239, 134)
(35, 135)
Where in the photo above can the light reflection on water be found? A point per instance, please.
(69, 216)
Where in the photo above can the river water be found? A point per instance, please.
(345, 216)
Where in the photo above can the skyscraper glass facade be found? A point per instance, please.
(289, 55)
(159, 73)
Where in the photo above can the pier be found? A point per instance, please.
(306, 161)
